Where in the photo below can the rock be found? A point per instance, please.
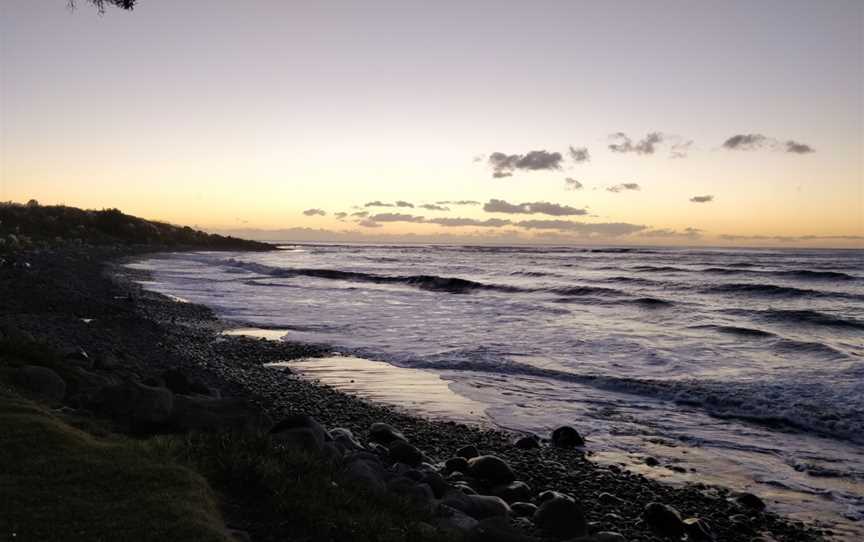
(523, 509)
(610, 499)
(301, 432)
(439, 486)
(698, 530)
(87, 388)
(750, 501)
(452, 520)
(151, 405)
(567, 437)
(549, 494)
(477, 506)
(512, 492)
(663, 520)
(384, 434)
(420, 496)
(402, 452)
(456, 464)
(492, 469)
(367, 475)
(345, 440)
(468, 452)
(180, 384)
(202, 413)
(528, 442)
(78, 357)
(106, 361)
(560, 516)
(497, 529)
(42, 381)
(651, 461)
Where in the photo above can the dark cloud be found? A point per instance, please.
(647, 145)
(702, 199)
(361, 214)
(368, 223)
(623, 186)
(503, 165)
(313, 212)
(798, 148)
(340, 216)
(688, 233)
(459, 202)
(434, 207)
(537, 207)
(745, 142)
(750, 142)
(377, 203)
(612, 229)
(478, 158)
(678, 147)
(396, 217)
(401, 203)
(579, 154)
(572, 184)
(456, 222)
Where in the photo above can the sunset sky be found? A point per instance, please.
(243, 115)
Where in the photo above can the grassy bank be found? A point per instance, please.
(68, 476)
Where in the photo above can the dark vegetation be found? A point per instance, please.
(34, 225)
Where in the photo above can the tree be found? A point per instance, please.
(100, 4)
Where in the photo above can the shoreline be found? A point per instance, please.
(155, 333)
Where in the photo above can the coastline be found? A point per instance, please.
(151, 333)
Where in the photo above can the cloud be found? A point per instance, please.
(433, 207)
(340, 216)
(362, 214)
(537, 207)
(377, 203)
(622, 143)
(459, 202)
(798, 148)
(456, 222)
(611, 229)
(750, 142)
(401, 203)
(689, 233)
(368, 223)
(579, 154)
(792, 239)
(678, 147)
(572, 184)
(745, 142)
(623, 186)
(503, 165)
(313, 212)
(396, 217)
(702, 199)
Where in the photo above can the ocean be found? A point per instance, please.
(740, 367)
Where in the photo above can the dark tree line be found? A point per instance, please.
(125, 4)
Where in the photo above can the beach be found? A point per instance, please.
(90, 299)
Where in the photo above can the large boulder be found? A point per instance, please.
(468, 452)
(567, 437)
(383, 433)
(302, 432)
(477, 506)
(663, 520)
(345, 440)
(42, 381)
(527, 442)
(491, 469)
(402, 452)
(750, 501)
(512, 492)
(560, 516)
(152, 405)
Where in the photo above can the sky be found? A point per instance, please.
(694, 123)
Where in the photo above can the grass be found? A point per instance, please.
(60, 483)
(67, 477)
